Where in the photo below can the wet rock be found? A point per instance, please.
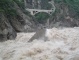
(40, 34)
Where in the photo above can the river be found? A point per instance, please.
(62, 44)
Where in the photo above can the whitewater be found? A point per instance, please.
(61, 44)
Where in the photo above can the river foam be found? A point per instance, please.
(62, 44)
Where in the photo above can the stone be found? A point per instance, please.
(40, 34)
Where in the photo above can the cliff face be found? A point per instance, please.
(10, 25)
(6, 30)
(64, 16)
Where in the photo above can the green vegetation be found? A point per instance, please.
(73, 5)
(58, 1)
(7, 6)
(45, 4)
(20, 3)
(41, 17)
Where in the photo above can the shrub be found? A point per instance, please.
(41, 17)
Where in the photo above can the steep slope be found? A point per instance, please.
(13, 21)
(64, 15)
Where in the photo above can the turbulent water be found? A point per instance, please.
(62, 44)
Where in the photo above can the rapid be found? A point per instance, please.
(62, 44)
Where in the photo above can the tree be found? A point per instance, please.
(41, 17)
(7, 6)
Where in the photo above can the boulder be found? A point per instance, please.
(40, 35)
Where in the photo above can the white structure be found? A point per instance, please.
(35, 11)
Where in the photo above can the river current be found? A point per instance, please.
(62, 44)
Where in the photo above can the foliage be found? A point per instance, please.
(20, 3)
(7, 6)
(58, 1)
(41, 17)
(45, 4)
(49, 6)
(74, 5)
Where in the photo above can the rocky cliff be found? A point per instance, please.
(21, 22)
(10, 25)
(64, 15)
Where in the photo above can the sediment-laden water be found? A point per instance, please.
(62, 44)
